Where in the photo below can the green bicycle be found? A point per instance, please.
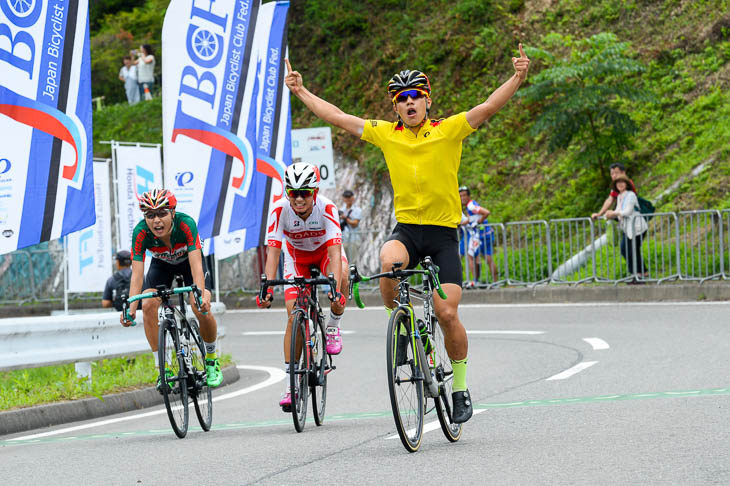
(182, 358)
(417, 363)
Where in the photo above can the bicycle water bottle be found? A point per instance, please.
(423, 331)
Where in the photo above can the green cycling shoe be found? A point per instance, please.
(213, 370)
(168, 376)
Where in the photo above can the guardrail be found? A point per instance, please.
(30, 342)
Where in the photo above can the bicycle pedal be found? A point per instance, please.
(286, 408)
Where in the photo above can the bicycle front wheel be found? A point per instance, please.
(198, 381)
(445, 378)
(405, 381)
(299, 371)
(318, 380)
(173, 378)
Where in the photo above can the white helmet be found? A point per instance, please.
(301, 176)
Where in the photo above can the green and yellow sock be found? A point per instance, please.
(211, 355)
(459, 367)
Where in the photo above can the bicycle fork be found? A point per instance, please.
(422, 361)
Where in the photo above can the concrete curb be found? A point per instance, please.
(24, 419)
(552, 293)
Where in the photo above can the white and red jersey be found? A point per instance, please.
(320, 230)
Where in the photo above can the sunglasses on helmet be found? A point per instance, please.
(413, 93)
(295, 193)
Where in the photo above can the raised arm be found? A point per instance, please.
(323, 109)
(483, 112)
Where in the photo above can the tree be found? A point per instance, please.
(580, 98)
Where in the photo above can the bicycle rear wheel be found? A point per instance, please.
(318, 380)
(173, 384)
(405, 382)
(445, 377)
(198, 381)
(299, 371)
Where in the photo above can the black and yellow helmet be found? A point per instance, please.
(409, 80)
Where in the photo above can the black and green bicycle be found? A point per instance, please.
(182, 358)
(417, 363)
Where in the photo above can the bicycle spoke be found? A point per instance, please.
(198, 385)
(405, 383)
(445, 377)
(172, 378)
(298, 372)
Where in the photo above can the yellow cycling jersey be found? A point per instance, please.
(423, 168)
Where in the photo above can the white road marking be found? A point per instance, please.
(597, 343)
(279, 333)
(504, 332)
(432, 425)
(275, 376)
(571, 371)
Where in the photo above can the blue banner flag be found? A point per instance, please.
(46, 170)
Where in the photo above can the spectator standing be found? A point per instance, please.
(616, 170)
(479, 238)
(632, 224)
(128, 74)
(118, 283)
(145, 63)
(350, 217)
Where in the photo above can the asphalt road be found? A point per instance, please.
(564, 394)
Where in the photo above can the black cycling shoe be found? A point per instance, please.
(462, 406)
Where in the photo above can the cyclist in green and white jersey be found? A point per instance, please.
(173, 241)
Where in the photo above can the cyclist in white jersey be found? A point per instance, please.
(306, 227)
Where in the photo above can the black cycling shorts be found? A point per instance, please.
(163, 273)
(438, 242)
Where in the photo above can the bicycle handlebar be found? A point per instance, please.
(160, 294)
(299, 282)
(430, 269)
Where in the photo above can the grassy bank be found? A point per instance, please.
(48, 384)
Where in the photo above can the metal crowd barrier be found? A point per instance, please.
(528, 252)
(490, 254)
(700, 245)
(573, 250)
(659, 248)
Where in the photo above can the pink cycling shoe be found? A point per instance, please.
(285, 402)
(334, 340)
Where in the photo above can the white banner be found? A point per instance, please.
(139, 169)
(90, 250)
(314, 146)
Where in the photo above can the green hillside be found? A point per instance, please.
(347, 50)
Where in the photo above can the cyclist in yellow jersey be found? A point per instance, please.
(423, 157)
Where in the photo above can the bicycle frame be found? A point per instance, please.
(307, 304)
(403, 301)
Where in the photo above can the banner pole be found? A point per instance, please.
(217, 279)
(65, 275)
(117, 207)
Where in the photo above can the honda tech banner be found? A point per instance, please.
(139, 170)
(46, 179)
(225, 113)
(90, 250)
